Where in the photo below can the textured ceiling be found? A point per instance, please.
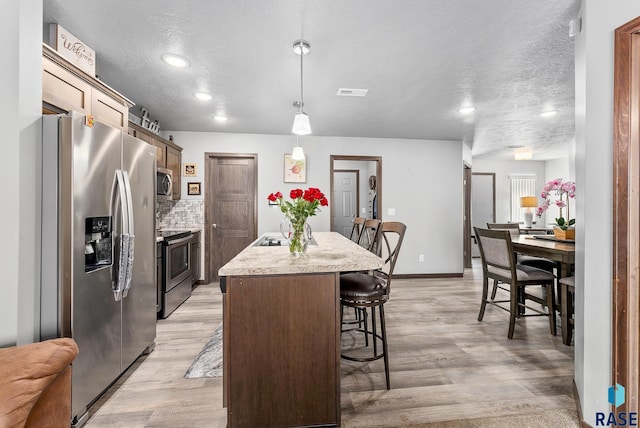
(420, 60)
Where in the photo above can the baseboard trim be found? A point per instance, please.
(427, 275)
(576, 396)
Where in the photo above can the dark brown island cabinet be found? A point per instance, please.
(282, 332)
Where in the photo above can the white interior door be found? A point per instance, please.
(345, 197)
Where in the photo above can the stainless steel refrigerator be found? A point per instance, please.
(98, 249)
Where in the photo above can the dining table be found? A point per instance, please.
(561, 251)
(547, 246)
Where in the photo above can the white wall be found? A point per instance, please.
(502, 169)
(559, 168)
(467, 155)
(594, 172)
(20, 110)
(422, 181)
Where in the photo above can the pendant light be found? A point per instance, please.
(301, 125)
(298, 153)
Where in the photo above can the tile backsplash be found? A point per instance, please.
(181, 214)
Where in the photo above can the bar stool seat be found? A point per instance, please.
(360, 286)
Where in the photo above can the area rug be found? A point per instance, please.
(208, 363)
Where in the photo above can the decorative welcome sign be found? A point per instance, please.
(73, 49)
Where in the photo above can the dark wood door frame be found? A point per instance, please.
(467, 215)
(208, 245)
(378, 160)
(626, 214)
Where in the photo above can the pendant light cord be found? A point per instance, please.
(301, 77)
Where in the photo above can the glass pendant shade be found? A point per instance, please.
(298, 153)
(301, 125)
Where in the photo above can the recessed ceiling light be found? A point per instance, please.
(523, 153)
(220, 118)
(548, 113)
(467, 109)
(203, 96)
(175, 60)
(349, 92)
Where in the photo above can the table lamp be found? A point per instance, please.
(528, 202)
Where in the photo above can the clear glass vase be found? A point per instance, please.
(298, 235)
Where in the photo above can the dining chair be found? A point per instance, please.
(538, 262)
(567, 293)
(514, 230)
(499, 263)
(371, 290)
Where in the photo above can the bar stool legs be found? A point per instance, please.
(375, 335)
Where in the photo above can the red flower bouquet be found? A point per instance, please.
(304, 204)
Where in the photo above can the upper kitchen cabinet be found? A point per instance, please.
(174, 160)
(168, 154)
(66, 87)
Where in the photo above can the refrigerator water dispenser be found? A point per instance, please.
(98, 243)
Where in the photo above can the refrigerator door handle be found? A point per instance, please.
(124, 239)
(131, 235)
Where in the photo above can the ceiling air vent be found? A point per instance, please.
(348, 92)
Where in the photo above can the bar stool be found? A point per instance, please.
(368, 239)
(356, 229)
(370, 234)
(371, 290)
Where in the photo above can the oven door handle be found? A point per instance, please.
(179, 241)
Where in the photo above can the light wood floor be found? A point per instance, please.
(445, 366)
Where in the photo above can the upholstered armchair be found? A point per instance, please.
(35, 384)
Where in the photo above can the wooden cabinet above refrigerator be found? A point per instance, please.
(66, 87)
(168, 154)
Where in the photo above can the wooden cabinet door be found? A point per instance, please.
(144, 137)
(64, 90)
(107, 110)
(174, 160)
(154, 140)
(161, 153)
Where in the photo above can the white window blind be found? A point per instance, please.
(521, 185)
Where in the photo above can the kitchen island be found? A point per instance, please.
(281, 340)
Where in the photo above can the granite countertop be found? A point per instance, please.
(334, 253)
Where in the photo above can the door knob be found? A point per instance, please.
(215, 226)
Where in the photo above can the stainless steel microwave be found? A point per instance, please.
(164, 184)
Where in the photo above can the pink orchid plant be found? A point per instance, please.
(562, 192)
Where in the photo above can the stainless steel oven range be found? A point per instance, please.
(176, 270)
